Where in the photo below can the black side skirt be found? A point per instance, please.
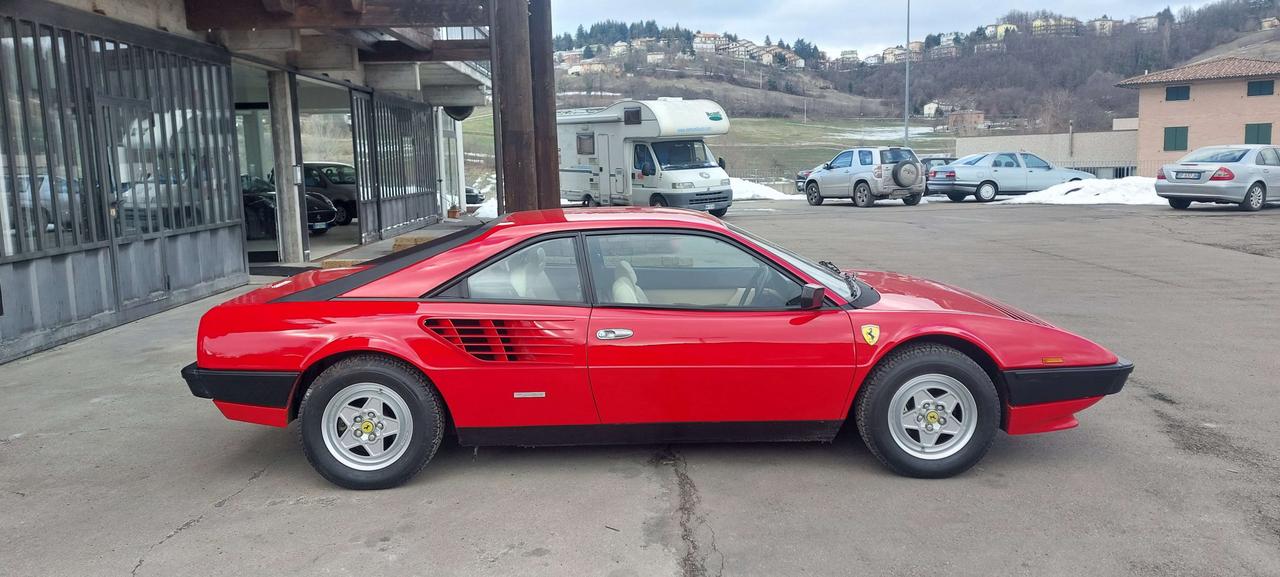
(1035, 386)
(649, 433)
(262, 388)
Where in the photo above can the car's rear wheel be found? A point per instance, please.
(862, 195)
(1180, 203)
(346, 213)
(812, 194)
(370, 422)
(956, 197)
(657, 200)
(1255, 198)
(912, 200)
(928, 411)
(986, 192)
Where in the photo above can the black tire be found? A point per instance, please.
(912, 200)
(1180, 203)
(862, 195)
(658, 200)
(872, 408)
(425, 406)
(987, 186)
(346, 213)
(956, 197)
(812, 194)
(588, 201)
(719, 212)
(1254, 199)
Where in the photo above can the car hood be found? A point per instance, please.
(900, 292)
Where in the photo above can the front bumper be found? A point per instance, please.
(706, 199)
(1044, 400)
(260, 397)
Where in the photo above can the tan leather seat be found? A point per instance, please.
(625, 289)
(529, 278)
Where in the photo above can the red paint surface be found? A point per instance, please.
(269, 416)
(681, 365)
(1046, 417)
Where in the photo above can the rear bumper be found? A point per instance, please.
(950, 187)
(1044, 400)
(260, 397)
(1208, 192)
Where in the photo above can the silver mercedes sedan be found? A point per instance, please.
(1236, 174)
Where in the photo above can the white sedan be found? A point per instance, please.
(986, 175)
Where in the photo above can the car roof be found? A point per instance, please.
(608, 217)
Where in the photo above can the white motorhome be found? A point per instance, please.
(644, 152)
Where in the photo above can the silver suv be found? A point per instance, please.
(866, 175)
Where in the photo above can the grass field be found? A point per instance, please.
(760, 148)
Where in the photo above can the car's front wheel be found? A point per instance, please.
(657, 200)
(370, 422)
(1254, 199)
(346, 213)
(719, 212)
(1180, 203)
(862, 195)
(928, 411)
(812, 195)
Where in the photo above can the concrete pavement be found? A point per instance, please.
(109, 467)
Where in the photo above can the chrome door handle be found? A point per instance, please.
(613, 334)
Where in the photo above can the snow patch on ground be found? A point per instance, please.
(1128, 190)
(747, 190)
(487, 210)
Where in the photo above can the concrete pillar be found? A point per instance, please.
(290, 220)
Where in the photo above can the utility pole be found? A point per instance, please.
(906, 101)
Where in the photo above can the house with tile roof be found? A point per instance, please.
(1220, 101)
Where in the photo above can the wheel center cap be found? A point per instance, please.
(366, 427)
(931, 417)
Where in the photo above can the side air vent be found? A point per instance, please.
(505, 340)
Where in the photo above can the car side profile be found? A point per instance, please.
(1247, 175)
(986, 175)
(633, 325)
(866, 175)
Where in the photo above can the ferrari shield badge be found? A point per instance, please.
(871, 333)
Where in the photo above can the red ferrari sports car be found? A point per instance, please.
(634, 325)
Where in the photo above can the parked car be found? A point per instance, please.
(867, 175)
(1238, 174)
(335, 181)
(46, 187)
(986, 175)
(260, 214)
(802, 178)
(626, 325)
(932, 162)
(474, 196)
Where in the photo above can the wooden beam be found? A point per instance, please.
(512, 82)
(280, 6)
(542, 67)
(326, 14)
(415, 38)
(441, 51)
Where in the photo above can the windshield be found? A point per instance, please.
(829, 279)
(896, 155)
(1216, 155)
(682, 154)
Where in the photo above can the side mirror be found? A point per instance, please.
(648, 170)
(720, 162)
(826, 166)
(812, 296)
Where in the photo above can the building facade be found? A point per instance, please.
(1221, 101)
(129, 145)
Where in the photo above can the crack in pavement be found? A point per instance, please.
(192, 522)
(697, 551)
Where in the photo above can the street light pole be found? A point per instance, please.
(906, 101)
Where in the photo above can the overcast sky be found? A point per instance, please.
(833, 24)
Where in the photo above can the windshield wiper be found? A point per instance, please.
(849, 278)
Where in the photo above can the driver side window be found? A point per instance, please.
(642, 158)
(843, 160)
(684, 270)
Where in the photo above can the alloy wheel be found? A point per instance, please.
(367, 426)
(932, 416)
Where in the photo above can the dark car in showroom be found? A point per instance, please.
(260, 210)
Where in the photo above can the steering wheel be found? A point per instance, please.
(756, 283)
